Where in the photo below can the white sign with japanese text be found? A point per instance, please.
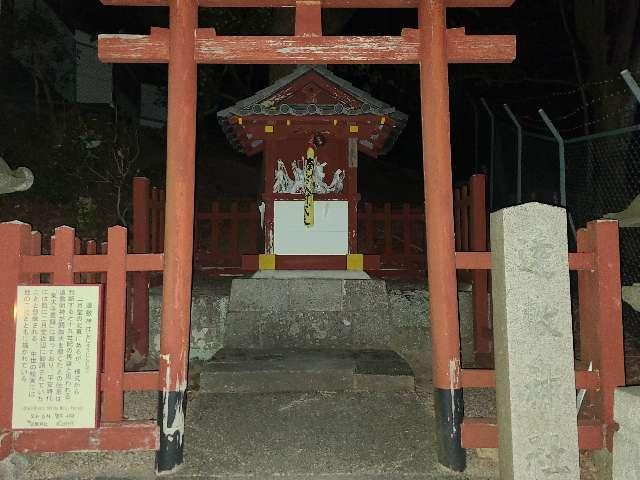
(55, 380)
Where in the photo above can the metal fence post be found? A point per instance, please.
(519, 170)
(562, 166)
(631, 83)
(560, 140)
(492, 150)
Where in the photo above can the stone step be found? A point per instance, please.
(296, 371)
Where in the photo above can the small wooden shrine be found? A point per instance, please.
(310, 127)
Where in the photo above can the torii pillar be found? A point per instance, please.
(178, 237)
(432, 46)
(441, 261)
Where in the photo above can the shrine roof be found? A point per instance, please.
(311, 90)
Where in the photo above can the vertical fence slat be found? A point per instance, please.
(457, 212)
(234, 247)
(480, 278)
(607, 350)
(114, 339)
(464, 219)
(139, 328)
(155, 221)
(369, 245)
(91, 250)
(35, 248)
(63, 247)
(388, 240)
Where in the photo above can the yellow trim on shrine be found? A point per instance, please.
(266, 262)
(239, 120)
(383, 120)
(355, 261)
(268, 129)
(353, 129)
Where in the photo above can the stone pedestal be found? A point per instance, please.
(626, 441)
(535, 379)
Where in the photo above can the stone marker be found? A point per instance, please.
(535, 380)
(626, 441)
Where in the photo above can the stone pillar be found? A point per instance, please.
(626, 441)
(535, 379)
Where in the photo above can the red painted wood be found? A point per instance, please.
(601, 313)
(483, 433)
(388, 238)
(63, 247)
(14, 240)
(36, 250)
(234, 241)
(325, 3)
(369, 232)
(483, 337)
(464, 220)
(308, 18)
(306, 50)
(148, 380)
(457, 218)
(139, 327)
(124, 436)
(311, 262)
(114, 330)
(155, 220)
(441, 263)
(180, 193)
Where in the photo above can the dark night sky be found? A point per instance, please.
(544, 68)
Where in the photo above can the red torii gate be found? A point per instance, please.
(183, 46)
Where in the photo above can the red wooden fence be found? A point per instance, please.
(396, 233)
(470, 221)
(21, 262)
(600, 319)
(227, 230)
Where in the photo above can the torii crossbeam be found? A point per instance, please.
(183, 46)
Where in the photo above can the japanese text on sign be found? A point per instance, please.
(56, 356)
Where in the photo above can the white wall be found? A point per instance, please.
(328, 236)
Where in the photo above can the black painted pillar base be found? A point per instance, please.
(170, 454)
(449, 410)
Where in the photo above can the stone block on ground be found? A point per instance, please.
(534, 361)
(626, 441)
(626, 409)
(626, 456)
(293, 372)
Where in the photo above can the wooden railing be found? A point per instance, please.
(470, 222)
(227, 230)
(22, 263)
(601, 347)
(395, 232)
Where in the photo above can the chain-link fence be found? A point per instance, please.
(603, 177)
(594, 176)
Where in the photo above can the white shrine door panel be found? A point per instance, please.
(328, 235)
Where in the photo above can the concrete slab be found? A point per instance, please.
(344, 436)
(332, 274)
(295, 372)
